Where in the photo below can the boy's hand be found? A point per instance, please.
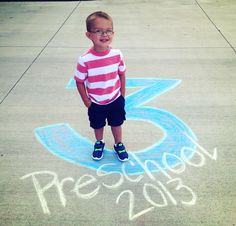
(83, 94)
(88, 103)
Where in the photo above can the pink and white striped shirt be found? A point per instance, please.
(100, 72)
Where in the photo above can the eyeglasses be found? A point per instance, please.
(102, 32)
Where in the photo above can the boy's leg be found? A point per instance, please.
(115, 119)
(117, 133)
(119, 146)
(99, 133)
(97, 118)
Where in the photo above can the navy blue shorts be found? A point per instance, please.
(114, 113)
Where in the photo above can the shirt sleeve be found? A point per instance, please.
(81, 71)
(122, 66)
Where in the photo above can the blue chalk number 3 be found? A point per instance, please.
(63, 141)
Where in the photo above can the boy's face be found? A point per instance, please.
(101, 34)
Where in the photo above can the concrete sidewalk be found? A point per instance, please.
(181, 60)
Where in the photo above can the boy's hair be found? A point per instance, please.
(90, 19)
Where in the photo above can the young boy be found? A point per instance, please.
(100, 80)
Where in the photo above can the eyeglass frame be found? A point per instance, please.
(100, 32)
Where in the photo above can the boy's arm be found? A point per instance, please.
(122, 84)
(82, 91)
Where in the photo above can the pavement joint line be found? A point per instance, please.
(231, 46)
(44, 47)
(126, 48)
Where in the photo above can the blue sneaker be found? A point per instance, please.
(98, 150)
(121, 152)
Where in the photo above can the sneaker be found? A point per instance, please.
(121, 152)
(98, 150)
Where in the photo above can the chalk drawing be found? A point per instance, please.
(41, 190)
(169, 157)
(65, 142)
(133, 216)
(156, 193)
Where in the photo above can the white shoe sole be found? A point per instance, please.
(97, 159)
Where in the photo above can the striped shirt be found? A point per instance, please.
(100, 73)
